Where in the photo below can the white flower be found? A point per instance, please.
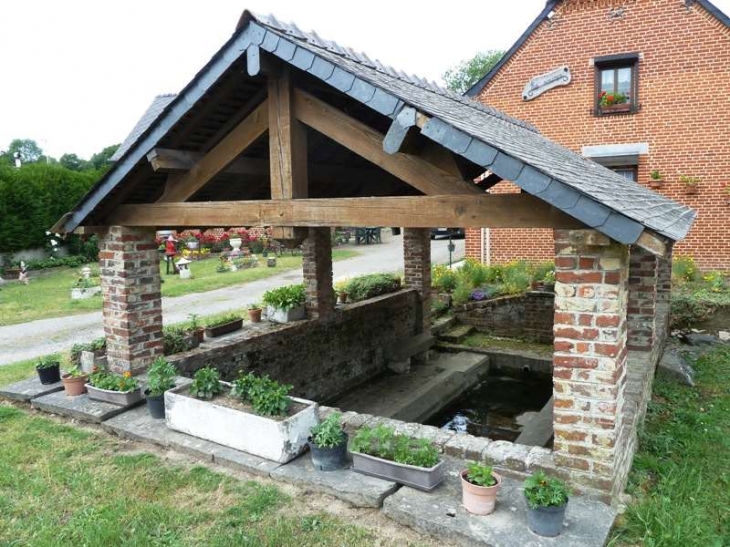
(48, 233)
(57, 235)
(54, 242)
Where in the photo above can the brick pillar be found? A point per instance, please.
(589, 362)
(417, 262)
(130, 284)
(317, 266)
(642, 299)
(664, 278)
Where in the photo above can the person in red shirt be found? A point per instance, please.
(170, 252)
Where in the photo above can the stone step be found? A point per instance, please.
(25, 390)
(420, 343)
(457, 334)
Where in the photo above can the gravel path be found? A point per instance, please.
(28, 340)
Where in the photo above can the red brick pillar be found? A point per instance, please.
(589, 362)
(664, 278)
(417, 266)
(642, 299)
(130, 284)
(317, 266)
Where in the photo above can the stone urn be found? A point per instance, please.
(236, 243)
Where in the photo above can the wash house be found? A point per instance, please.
(284, 129)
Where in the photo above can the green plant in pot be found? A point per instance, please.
(656, 179)
(160, 378)
(197, 330)
(254, 312)
(49, 369)
(479, 486)
(285, 303)
(206, 383)
(328, 444)
(547, 499)
(74, 381)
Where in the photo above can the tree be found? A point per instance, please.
(28, 149)
(73, 162)
(461, 77)
(101, 160)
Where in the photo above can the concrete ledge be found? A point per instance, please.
(25, 390)
(440, 513)
(355, 488)
(81, 407)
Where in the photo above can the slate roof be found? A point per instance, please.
(153, 111)
(474, 90)
(509, 148)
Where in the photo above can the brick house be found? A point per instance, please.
(670, 59)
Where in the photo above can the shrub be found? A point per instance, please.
(329, 434)
(285, 298)
(689, 309)
(95, 345)
(542, 271)
(443, 278)
(113, 382)
(515, 278)
(479, 275)
(206, 383)
(462, 293)
(383, 442)
(175, 340)
(544, 491)
(372, 285)
(684, 269)
(715, 281)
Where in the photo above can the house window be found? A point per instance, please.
(626, 171)
(616, 84)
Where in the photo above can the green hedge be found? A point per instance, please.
(33, 198)
(372, 285)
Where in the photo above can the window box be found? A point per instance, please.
(421, 478)
(615, 108)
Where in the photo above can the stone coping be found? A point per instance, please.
(28, 389)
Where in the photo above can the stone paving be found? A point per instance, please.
(438, 512)
(25, 390)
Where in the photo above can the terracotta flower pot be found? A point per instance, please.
(656, 184)
(255, 315)
(691, 189)
(342, 296)
(74, 385)
(479, 500)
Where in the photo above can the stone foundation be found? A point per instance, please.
(525, 317)
(321, 359)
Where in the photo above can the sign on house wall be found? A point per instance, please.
(540, 84)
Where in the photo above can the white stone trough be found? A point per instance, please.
(81, 294)
(278, 315)
(277, 440)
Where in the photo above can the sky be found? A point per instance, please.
(77, 74)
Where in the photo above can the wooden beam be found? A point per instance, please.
(215, 161)
(287, 148)
(368, 143)
(490, 211)
(167, 160)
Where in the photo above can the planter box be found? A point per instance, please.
(11, 274)
(126, 398)
(417, 477)
(81, 294)
(277, 440)
(615, 108)
(225, 328)
(278, 315)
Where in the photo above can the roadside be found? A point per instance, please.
(28, 340)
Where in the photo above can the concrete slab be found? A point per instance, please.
(539, 430)
(421, 393)
(440, 513)
(137, 424)
(81, 407)
(355, 488)
(25, 390)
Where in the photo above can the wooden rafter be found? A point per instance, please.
(241, 137)
(491, 211)
(368, 143)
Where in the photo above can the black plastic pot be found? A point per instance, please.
(49, 375)
(546, 521)
(329, 459)
(156, 405)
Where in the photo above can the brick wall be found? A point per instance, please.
(527, 317)
(417, 268)
(321, 359)
(684, 113)
(132, 311)
(317, 272)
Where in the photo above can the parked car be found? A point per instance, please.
(453, 232)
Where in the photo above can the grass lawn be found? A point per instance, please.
(61, 485)
(15, 372)
(681, 475)
(49, 294)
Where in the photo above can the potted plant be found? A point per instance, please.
(74, 381)
(479, 488)
(118, 389)
(380, 452)
(253, 414)
(85, 288)
(328, 444)
(192, 242)
(49, 369)
(254, 312)
(223, 325)
(655, 179)
(196, 329)
(160, 378)
(285, 304)
(613, 102)
(341, 289)
(549, 280)
(547, 499)
(691, 184)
